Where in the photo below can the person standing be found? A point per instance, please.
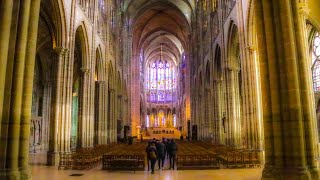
(166, 143)
(153, 154)
(147, 151)
(172, 153)
(161, 153)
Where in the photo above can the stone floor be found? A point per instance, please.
(42, 172)
(48, 173)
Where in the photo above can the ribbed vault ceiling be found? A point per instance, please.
(159, 24)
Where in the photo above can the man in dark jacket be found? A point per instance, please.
(161, 153)
(153, 154)
(172, 150)
(147, 151)
(166, 143)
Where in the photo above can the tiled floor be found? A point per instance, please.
(42, 172)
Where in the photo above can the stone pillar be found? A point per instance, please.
(114, 117)
(5, 29)
(16, 81)
(105, 114)
(219, 128)
(119, 111)
(111, 115)
(210, 112)
(290, 144)
(99, 109)
(54, 138)
(233, 112)
(84, 123)
(252, 118)
(46, 109)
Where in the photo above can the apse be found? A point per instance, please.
(160, 44)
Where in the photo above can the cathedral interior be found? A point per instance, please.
(236, 83)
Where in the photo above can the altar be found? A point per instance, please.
(161, 132)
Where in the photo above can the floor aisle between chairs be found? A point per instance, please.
(52, 173)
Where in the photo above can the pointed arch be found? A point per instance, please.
(217, 63)
(99, 65)
(81, 42)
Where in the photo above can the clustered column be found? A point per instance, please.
(58, 134)
(100, 108)
(290, 144)
(16, 81)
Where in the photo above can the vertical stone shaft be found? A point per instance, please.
(56, 115)
(17, 90)
(5, 27)
(27, 90)
(286, 92)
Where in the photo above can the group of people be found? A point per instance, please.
(160, 150)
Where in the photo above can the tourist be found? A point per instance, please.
(166, 143)
(153, 154)
(172, 150)
(130, 140)
(147, 151)
(161, 153)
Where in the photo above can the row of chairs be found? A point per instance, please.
(83, 158)
(125, 157)
(192, 156)
(231, 157)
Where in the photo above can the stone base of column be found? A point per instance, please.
(273, 173)
(53, 158)
(25, 173)
(7, 174)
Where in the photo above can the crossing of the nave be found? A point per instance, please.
(230, 89)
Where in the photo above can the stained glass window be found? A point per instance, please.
(174, 120)
(316, 62)
(147, 121)
(160, 81)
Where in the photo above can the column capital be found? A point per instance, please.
(232, 68)
(217, 80)
(112, 90)
(85, 70)
(61, 50)
(251, 48)
(101, 82)
(303, 8)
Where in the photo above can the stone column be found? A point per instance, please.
(210, 112)
(5, 29)
(105, 114)
(111, 115)
(46, 109)
(15, 92)
(253, 120)
(27, 90)
(99, 130)
(54, 137)
(290, 144)
(217, 106)
(114, 120)
(120, 115)
(233, 112)
(84, 123)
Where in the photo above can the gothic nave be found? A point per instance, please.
(235, 83)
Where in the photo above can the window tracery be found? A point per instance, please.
(161, 81)
(316, 62)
